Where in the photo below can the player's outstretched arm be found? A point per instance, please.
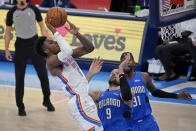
(87, 45)
(163, 94)
(148, 81)
(95, 68)
(126, 94)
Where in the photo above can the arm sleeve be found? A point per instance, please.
(37, 13)
(65, 48)
(124, 88)
(163, 94)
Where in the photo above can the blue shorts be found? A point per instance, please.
(146, 124)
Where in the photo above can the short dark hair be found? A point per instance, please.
(39, 46)
(15, 1)
(124, 54)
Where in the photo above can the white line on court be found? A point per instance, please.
(180, 86)
(172, 103)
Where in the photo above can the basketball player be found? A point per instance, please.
(141, 83)
(114, 104)
(61, 63)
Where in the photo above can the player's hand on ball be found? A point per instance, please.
(183, 95)
(50, 27)
(72, 28)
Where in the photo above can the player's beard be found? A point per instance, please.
(114, 82)
(128, 70)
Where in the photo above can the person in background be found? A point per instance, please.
(166, 52)
(24, 16)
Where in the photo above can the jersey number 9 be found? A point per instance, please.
(108, 113)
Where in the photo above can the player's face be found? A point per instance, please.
(128, 66)
(52, 46)
(114, 78)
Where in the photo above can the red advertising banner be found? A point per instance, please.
(92, 4)
(177, 2)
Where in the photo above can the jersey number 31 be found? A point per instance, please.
(136, 101)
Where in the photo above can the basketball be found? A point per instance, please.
(56, 16)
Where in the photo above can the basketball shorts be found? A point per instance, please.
(147, 124)
(83, 110)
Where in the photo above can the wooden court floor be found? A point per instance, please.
(170, 117)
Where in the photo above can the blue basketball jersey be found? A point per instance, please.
(114, 114)
(141, 106)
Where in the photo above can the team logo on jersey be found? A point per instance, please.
(138, 89)
(109, 102)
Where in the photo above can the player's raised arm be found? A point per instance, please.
(87, 45)
(126, 93)
(65, 48)
(95, 68)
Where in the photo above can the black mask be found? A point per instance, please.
(22, 3)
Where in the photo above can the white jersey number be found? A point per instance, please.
(136, 101)
(108, 113)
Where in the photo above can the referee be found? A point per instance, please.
(24, 17)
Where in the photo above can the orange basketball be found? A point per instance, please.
(57, 16)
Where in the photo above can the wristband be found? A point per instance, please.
(121, 75)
